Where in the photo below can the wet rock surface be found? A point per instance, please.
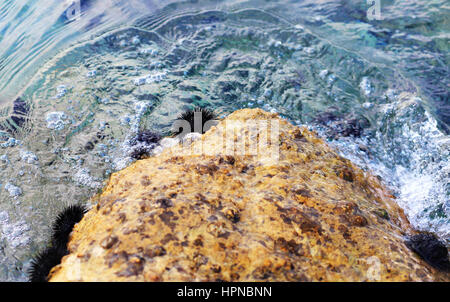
(308, 215)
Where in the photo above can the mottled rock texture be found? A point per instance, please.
(309, 215)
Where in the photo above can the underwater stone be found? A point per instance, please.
(139, 81)
(28, 157)
(19, 115)
(323, 74)
(135, 40)
(83, 177)
(150, 51)
(13, 190)
(4, 217)
(11, 142)
(366, 86)
(91, 73)
(231, 217)
(4, 158)
(61, 91)
(56, 120)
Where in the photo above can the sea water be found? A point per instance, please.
(78, 79)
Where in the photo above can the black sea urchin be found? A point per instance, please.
(140, 152)
(43, 262)
(64, 223)
(430, 249)
(143, 143)
(199, 115)
(145, 137)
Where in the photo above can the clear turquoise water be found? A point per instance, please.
(91, 81)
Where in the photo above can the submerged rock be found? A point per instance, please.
(18, 117)
(291, 211)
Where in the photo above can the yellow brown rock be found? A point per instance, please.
(308, 215)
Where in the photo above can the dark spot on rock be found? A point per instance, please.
(286, 219)
(302, 192)
(128, 231)
(108, 242)
(344, 230)
(168, 238)
(145, 181)
(224, 235)
(199, 260)
(155, 251)
(382, 213)
(198, 242)
(134, 268)
(167, 217)
(227, 159)
(298, 136)
(244, 169)
(207, 169)
(234, 276)
(114, 257)
(216, 268)
(143, 206)
(344, 172)
(289, 246)
(305, 221)
(262, 273)
(201, 197)
(430, 249)
(308, 225)
(164, 203)
(232, 214)
(122, 217)
(358, 220)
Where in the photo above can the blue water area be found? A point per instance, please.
(78, 79)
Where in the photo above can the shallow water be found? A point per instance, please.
(377, 90)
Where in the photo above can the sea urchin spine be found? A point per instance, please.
(64, 224)
(44, 261)
(196, 118)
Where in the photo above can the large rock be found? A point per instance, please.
(308, 215)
